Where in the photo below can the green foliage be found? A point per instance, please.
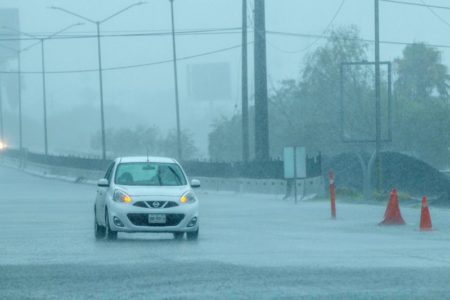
(422, 120)
(422, 129)
(307, 111)
(225, 139)
(421, 73)
(137, 141)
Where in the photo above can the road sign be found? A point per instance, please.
(294, 162)
(294, 165)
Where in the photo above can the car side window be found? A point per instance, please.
(109, 172)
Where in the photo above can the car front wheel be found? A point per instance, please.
(109, 233)
(192, 236)
(99, 231)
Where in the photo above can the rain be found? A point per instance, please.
(224, 149)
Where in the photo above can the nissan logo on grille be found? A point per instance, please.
(156, 204)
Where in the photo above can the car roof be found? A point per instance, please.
(154, 159)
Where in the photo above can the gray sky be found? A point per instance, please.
(145, 95)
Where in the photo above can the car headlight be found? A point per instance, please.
(122, 197)
(188, 197)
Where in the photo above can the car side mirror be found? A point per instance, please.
(103, 182)
(195, 183)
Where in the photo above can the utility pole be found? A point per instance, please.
(98, 23)
(44, 97)
(19, 89)
(261, 101)
(245, 135)
(2, 123)
(19, 74)
(377, 97)
(175, 74)
(43, 74)
(100, 76)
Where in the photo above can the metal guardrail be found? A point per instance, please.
(257, 170)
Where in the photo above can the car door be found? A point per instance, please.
(101, 196)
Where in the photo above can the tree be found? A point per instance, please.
(225, 143)
(422, 119)
(303, 111)
(306, 111)
(421, 74)
(137, 141)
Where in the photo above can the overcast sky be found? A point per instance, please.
(145, 95)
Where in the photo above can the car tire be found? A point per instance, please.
(110, 235)
(99, 231)
(192, 236)
(178, 236)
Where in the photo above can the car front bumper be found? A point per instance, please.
(135, 219)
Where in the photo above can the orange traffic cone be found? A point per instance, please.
(392, 216)
(425, 218)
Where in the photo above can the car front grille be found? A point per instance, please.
(156, 204)
(142, 220)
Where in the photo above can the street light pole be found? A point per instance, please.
(19, 74)
(99, 52)
(19, 83)
(2, 131)
(100, 74)
(44, 97)
(262, 152)
(43, 73)
(377, 97)
(175, 74)
(245, 139)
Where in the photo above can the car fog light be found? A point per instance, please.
(117, 222)
(192, 222)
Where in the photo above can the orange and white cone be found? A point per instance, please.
(392, 215)
(425, 218)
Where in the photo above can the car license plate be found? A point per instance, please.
(156, 218)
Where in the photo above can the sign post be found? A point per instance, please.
(294, 165)
(332, 195)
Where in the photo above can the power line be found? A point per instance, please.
(416, 4)
(424, 4)
(436, 14)
(336, 14)
(282, 33)
(315, 41)
(304, 35)
(130, 66)
(216, 31)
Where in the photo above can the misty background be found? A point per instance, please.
(142, 97)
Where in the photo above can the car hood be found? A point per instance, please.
(137, 191)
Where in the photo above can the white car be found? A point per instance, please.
(146, 194)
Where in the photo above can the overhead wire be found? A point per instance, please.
(290, 34)
(426, 5)
(416, 4)
(436, 14)
(387, 42)
(134, 66)
(330, 23)
(229, 30)
(216, 31)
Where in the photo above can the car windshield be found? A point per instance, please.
(149, 174)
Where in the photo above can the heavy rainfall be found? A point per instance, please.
(224, 149)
